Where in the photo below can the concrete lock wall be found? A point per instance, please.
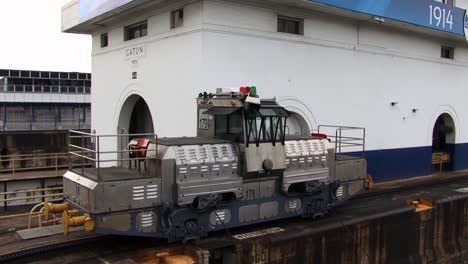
(435, 236)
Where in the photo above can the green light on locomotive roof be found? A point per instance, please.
(253, 89)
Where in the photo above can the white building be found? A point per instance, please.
(394, 67)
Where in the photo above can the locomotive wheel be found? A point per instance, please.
(320, 208)
(191, 227)
(316, 208)
(206, 202)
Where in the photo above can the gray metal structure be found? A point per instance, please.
(240, 169)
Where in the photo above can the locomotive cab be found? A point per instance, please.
(257, 126)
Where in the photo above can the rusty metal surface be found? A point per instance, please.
(377, 229)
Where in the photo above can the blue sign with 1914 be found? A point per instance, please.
(425, 13)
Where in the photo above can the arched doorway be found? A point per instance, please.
(443, 143)
(297, 125)
(135, 118)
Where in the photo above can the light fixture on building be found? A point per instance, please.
(394, 103)
(414, 110)
(379, 19)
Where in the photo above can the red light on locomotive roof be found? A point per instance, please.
(245, 89)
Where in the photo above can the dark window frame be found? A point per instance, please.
(104, 40)
(177, 18)
(290, 25)
(449, 2)
(137, 30)
(447, 52)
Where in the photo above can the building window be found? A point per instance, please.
(177, 18)
(137, 30)
(104, 40)
(290, 25)
(448, 2)
(447, 52)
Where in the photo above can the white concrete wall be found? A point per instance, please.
(462, 3)
(346, 73)
(170, 67)
(70, 15)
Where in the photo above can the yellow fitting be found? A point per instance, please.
(369, 182)
(73, 212)
(70, 221)
(176, 259)
(421, 204)
(50, 208)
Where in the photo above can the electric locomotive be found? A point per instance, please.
(241, 169)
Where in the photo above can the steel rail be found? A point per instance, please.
(410, 186)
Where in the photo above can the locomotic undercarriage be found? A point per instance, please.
(241, 169)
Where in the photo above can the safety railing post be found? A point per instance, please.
(43, 189)
(5, 196)
(68, 155)
(56, 164)
(82, 154)
(341, 134)
(13, 165)
(363, 142)
(98, 158)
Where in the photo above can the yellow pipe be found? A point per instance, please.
(31, 213)
(85, 220)
(50, 208)
(39, 221)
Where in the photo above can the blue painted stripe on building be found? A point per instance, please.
(425, 13)
(460, 157)
(394, 164)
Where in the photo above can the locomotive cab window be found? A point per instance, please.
(229, 126)
(266, 125)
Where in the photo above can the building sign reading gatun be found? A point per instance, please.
(135, 52)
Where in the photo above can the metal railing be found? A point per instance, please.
(28, 197)
(51, 193)
(88, 148)
(47, 194)
(27, 124)
(439, 159)
(349, 141)
(18, 164)
(27, 88)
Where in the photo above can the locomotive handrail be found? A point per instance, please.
(342, 141)
(87, 146)
(81, 148)
(108, 135)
